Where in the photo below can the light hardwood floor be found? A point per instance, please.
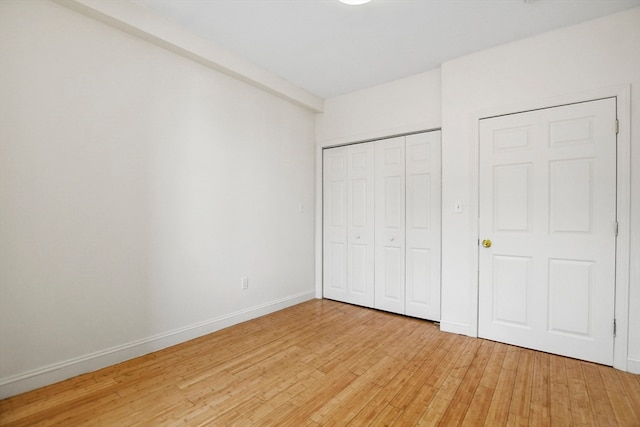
(328, 363)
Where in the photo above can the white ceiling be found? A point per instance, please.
(329, 48)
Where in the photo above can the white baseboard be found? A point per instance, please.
(46, 375)
(454, 327)
(633, 366)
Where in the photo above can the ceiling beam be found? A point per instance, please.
(150, 26)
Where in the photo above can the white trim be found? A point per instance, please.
(46, 375)
(623, 243)
(454, 327)
(148, 25)
(376, 134)
(622, 93)
(633, 366)
(319, 209)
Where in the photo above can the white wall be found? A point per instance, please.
(575, 63)
(406, 105)
(137, 187)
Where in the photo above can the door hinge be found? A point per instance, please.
(614, 328)
(616, 228)
(617, 126)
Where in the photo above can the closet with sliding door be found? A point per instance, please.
(381, 224)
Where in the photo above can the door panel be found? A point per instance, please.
(570, 296)
(394, 273)
(390, 224)
(419, 271)
(360, 235)
(570, 187)
(348, 224)
(358, 269)
(547, 203)
(511, 290)
(422, 297)
(335, 223)
(512, 201)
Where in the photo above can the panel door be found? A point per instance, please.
(348, 227)
(360, 224)
(423, 225)
(334, 248)
(390, 225)
(548, 205)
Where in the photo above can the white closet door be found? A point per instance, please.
(381, 225)
(348, 228)
(390, 227)
(334, 248)
(423, 225)
(360, 233)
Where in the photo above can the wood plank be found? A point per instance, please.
(603, 414)
(455, 413)
(521, 398)
(350, 404)
(560, 412)
(623, 409)
(417, 407)
(478, 407)
(435, 412)
(540, 408)
(498, 411)
(370, 412)
(469, 384)
(387, 416)
(631, 384)
(483, 394)
(578, 395)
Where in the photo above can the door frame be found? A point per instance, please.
(622, 94)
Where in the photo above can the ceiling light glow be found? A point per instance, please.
(354, 2)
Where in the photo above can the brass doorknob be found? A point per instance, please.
(486, 243)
